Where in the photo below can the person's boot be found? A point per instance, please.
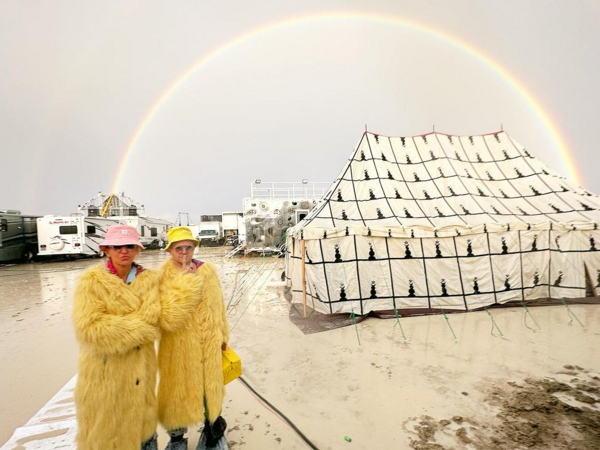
(212, 436)
(177, 442)
(150, 444)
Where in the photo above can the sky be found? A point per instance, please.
(205, 97)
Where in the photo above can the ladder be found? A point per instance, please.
(239, 247)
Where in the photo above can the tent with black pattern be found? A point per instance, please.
(436, 221)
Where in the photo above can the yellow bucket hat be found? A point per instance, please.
(180, 234)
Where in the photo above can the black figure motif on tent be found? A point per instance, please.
(497, 137)
(403, 140)
(362, 156)
(438, 251)
(440, 214)
(527, 153)
(325, 234)
(339, 196)
(344, 215)
(495, 210)
(373, 289)
(505, 153)
(507, 282)
(342, 292)
(508, 227)
(416, 176)
(444, 290)
(367, 175)
(450, 140)
(559, 279)
(338, 256)
(441, 172)
(308, 257)
(376, 138)
(452, 193)
(545, 172)
(407, 252)
(432, 155)
(485, 228)
(523, 212)
(481, 193)
(528, 226)
(389, 232)
(424, 139)
(371, 253)
(468, 174)
(390, 176)
(397, 193)
(408, 161)
(347, 231)
(316, 292)
(457, 232)
(564, 189)
(536, 278)
(504, 246)
(555, 208)
(518, 172)
(411, 288)
(426, 194)
(534, 190)
(383, 158)
(475, 286)
(368, 231)
(503, 193)
(412, 233)
(593, 244)
(379, 214)
(471, 140)
(585, 207)
(371, 194)
(457, 156)
(478, 157)
(465, 210)
(534, 243)
(407, 214)
(490, 177)
(470, 248)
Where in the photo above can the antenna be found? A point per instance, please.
(501, 127)
(434, 127)
(366, 128)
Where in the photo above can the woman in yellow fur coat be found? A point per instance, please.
(116, 315)
(190, 354)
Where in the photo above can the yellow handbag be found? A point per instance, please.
(232, 365)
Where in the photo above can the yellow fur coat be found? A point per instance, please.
(116, 325)
(189, 356)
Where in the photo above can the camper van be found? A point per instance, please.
(153, 232)
(18, 236)
(72, 235)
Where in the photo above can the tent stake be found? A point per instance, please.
(302, 246)
(353, 317)
(571, 313)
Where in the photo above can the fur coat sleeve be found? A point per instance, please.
(106, 316)
(178, 296)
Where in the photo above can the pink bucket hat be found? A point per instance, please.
(121, 235)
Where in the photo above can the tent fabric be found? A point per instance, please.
(441, 221)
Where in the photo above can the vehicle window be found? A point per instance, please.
(3, 225)
(207, 232)
(91, 229)
(153, 232)
(67, 229)
(143, 232)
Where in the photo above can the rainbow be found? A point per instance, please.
(552, 129)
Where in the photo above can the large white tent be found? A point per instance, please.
(438, 221)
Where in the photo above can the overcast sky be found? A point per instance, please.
(78, 77)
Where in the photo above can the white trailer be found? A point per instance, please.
(72, 235)
(153, 232)
(211, 233)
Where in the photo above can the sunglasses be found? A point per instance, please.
(184, 248)
(128, 247)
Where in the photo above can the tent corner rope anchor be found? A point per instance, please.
(572, 314)
(532, 318)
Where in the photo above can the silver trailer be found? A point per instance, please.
(18, 236)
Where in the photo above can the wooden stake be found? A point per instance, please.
(303, 277)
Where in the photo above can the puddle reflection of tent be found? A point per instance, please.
(432, 221)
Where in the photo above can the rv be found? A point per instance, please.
(72, 235)
(153, 232)
(210, 233)
(18, 236)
